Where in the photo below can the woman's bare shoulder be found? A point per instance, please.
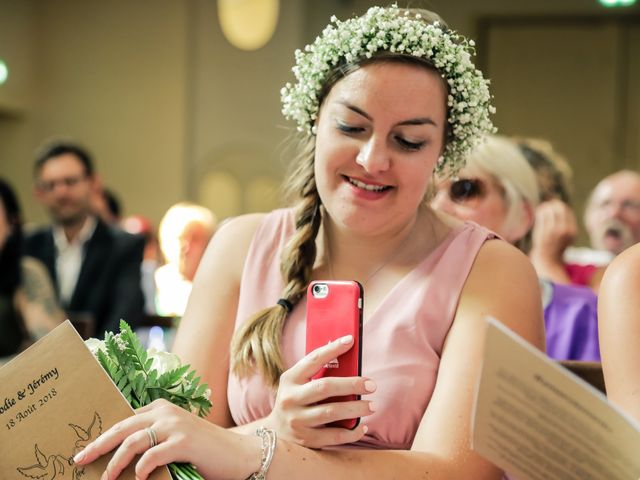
(230, 244)
(242, 225)
(504, 284)
(499, 256)
(624, 270)
(500, 270)
(617, 297)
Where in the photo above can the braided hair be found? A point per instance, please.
(257, 343)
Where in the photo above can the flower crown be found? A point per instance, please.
(387, 29)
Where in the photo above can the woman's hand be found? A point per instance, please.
(297, 416)
(163, 433)
(555, 229)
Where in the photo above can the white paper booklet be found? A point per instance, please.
(536, 420)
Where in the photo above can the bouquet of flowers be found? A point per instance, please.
(146, 375)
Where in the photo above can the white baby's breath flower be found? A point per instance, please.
(93, 344)
(386, 29)
(163, 362)
(120, 342)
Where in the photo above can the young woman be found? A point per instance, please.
(383, 101)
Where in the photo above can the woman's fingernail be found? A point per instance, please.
(346, 339)
(365, 429)
(370, 386)
(79, 457)
(372, 406)
(105, 476)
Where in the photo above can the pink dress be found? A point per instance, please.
(402, 340)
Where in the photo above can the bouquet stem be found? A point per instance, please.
(184, 471)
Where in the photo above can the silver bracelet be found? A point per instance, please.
(269, 439)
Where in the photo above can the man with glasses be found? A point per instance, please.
(612, 220)
(95, 268)
(612, 216)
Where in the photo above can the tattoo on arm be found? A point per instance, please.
(38, 291)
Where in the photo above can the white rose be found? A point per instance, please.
(163, 362)
(93, 344)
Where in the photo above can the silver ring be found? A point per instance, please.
(153, 438)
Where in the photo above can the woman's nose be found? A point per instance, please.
(374, 156)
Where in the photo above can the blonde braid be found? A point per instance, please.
(256, 345)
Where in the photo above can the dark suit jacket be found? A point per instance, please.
(108, 286)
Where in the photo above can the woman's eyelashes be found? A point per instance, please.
(402, 142)
(348, 129)
(408, 145)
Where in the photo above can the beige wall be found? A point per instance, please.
(168, 106)
(17, 49)
(18, 95)
(111, 75)
(235, 123)
(461, 15)
(631, 113)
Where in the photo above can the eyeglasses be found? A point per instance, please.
(466, 189)
(69, 182)
(630, 206)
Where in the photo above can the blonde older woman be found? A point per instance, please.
(500, 190)
(497, 189)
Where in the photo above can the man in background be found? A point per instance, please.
(612, 216)
(95, 268)
(185, 231)
(612, 220)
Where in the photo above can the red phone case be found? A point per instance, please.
(334, 309)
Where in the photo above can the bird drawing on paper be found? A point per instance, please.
(48, 467)
(87, 435)
(60, 467)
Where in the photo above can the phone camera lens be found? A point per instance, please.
(320, 290)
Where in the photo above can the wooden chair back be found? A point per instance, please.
(591, 372)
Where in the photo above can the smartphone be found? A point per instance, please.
(334, 309)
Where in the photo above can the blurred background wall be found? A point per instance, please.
(172, 111)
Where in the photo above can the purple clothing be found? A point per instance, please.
(571, 324)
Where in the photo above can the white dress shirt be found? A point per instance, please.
(69, 257)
